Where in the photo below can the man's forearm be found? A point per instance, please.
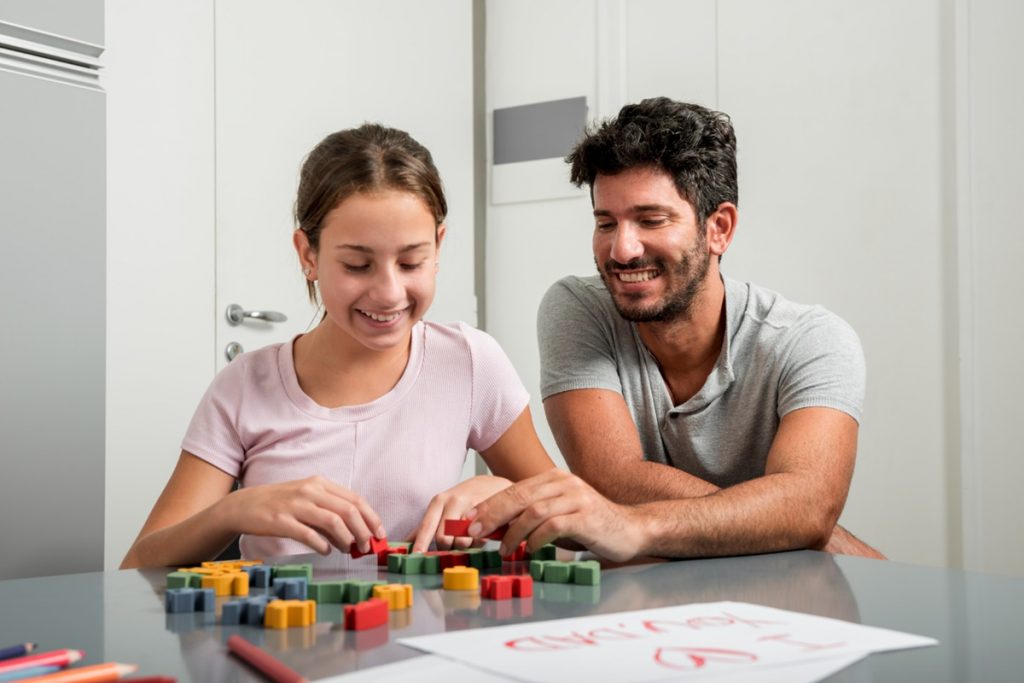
(772, 513)
(645, 482)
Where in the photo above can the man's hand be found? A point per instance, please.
(557, 505)
(453, 504)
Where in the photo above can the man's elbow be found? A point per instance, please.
(819, 523)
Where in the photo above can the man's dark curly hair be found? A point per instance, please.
(694, 145)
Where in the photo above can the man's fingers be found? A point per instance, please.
(510, 502)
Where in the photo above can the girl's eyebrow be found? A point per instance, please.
(367, 250)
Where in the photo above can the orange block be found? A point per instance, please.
(227, 584)
(461, 579)
(397, 595)
(288, 613)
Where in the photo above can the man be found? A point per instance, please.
(701, 415)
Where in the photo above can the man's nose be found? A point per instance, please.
(626, 244)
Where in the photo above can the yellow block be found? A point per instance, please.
(239, 583)
(288, 613)
(220, 583)
(461, 579)
(231, 565)
(397, 595)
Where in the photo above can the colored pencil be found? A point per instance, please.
(52, 658)
(150, 679)
(22, 674)
(97, 673)
(19, 650)
(263, 661)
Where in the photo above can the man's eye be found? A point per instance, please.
(652, 222)
(353, 268)
(604, 227)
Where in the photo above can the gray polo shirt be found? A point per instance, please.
(778, 356)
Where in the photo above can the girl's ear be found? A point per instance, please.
(306, 253)
(441, 229)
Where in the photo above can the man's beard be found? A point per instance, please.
(677, 304)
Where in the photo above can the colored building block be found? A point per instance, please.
(396, 562)
(456, 527)
(236, 583)
(397, 595)
(413, 563)
(431, 563)
(377, 545)
(244, 611)
(537, 569)
(383, 557)
(180, 600)
(545, 552)
(522, 586)
(496, 587)
(324, 592)
(293, 570)
(289, 613)
(518, 554)
(357, 590)
(182, 579)
(492, 559)
(475, 557)
(461, 578)
(586, 573)
(557, 572)
(395, 545)
(365, 615)
(259, 575)
(452, 558)
(290, 587)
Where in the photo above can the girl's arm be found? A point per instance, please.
(517, 454)
(198, 515)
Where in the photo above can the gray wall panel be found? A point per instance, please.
(80, 19)
(53, 312)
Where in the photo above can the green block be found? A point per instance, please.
(400, 544)
(184, 580)
(431, 564)
(300, 570)
(537, 569)
(492, 559)
(587, 573)
(556, 572)
(325, 592)
(357, 590)
(413, 564)
(545, 552)
(396, 563)
(476, 558)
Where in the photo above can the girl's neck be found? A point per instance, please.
(335, 370)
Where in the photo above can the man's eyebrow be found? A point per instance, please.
(639, 208)
(367, 250)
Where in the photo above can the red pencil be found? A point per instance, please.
(263, 661)
(52, 658)
(96, 673)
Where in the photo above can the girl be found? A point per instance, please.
(348, 432)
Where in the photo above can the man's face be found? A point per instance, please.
(649, 250)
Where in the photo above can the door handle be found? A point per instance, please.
(236, 315)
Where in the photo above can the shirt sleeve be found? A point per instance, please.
(576, 341)
(213, 434)
(823, 366)
(499, 396)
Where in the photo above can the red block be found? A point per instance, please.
(451, 559)
(367, 614)
(377, 545)
(522, 586)
(498, 533)
(517, 555)
(496, 587)
(382, 556)
(456, 527)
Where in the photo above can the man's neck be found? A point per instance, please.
(687, 349)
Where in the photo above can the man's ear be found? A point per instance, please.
(306, 253)
(721, 227)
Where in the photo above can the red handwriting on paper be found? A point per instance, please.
(691, 658)
(697, 623)
(570, 641)
(784, 639)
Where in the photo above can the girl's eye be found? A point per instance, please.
(411, 266)
(352, 268)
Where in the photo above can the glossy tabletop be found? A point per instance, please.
(119, 616)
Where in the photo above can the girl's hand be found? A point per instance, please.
(453, 504)
(313, 511)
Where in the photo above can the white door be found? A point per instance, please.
(288, 74)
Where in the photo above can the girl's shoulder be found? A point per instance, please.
(458, 335)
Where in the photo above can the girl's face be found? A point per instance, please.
(376, 265)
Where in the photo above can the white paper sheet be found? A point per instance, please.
(700, 640)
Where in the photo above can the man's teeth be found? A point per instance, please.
(381, 317)
(642, 276)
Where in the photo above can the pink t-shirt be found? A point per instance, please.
(458, 391)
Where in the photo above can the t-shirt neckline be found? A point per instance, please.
(356, 413)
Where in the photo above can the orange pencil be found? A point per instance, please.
(97, 673)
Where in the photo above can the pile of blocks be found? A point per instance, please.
(585, 573)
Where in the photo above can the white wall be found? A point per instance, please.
(848, 128)
(158, 73)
